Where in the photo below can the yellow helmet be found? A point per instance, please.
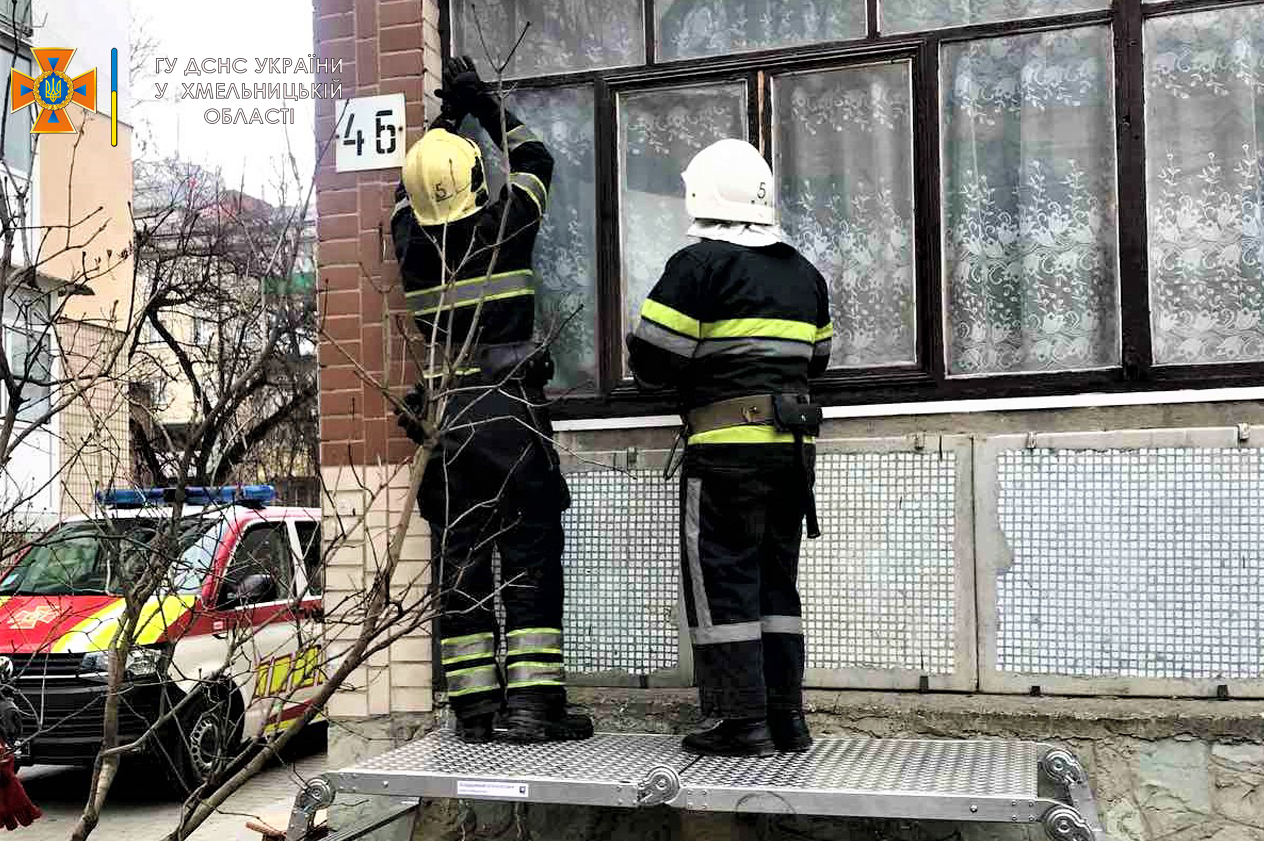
(443, 175)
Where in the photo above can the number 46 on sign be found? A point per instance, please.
(370, 133)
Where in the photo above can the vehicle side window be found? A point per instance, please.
(310, 545)
(262, 549)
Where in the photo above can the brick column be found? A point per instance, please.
(386, 46)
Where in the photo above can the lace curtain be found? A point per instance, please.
(565, 36)
(1030, 262)
(916, 15)
(660, 131)
(692, 28)
(566, 251)
(1205, 164)
(843, 142)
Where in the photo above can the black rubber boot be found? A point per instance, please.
(733, 737)
(789, 731)
(475, 730)
(527, 725)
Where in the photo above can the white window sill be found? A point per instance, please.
(946, 407)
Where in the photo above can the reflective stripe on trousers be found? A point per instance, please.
(532, 673)
(469, 647)
(746, 631)
(534, 641)
(475, 679)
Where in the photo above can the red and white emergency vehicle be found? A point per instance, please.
(238, 615)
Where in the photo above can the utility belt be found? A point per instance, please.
(791, 413)
(528, 363)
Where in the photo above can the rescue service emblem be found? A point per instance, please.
(32, 617)
(52, 91)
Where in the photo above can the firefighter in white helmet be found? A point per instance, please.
(494, 480)
(737, 326)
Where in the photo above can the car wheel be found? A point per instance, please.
(209, 737)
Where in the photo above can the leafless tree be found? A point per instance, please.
(227, 291)
(217, 317)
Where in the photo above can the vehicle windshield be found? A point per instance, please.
(106, 556)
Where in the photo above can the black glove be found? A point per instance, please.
(449, 118)
(463, 91)
(411, 420)
(537, 371)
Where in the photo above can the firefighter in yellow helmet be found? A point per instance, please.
(494, 480)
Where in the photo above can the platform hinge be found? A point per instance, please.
(1079, 821)
(316, 795)
(661, 786)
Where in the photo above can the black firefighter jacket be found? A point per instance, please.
(728, 321)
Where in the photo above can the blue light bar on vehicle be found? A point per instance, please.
(254, 495)
(129, 498)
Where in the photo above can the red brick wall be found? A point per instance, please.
(385, 47)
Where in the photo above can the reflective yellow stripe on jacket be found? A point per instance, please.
(465, 293)
(747, 434)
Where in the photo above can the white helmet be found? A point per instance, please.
(730, 181)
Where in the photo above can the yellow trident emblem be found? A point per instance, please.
(53, 91)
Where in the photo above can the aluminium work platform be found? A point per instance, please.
(970, 781)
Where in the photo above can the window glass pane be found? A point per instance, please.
(264, 550)
(309, 543)
(30, 354)
(566, 251)
(914, 15)
(1030, 261)
(844, 162)
(17, 130)
(691, 28)
(659, 132)
(1205, 151)
(16, 15)
(565, 36)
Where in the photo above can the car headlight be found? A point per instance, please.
(141, 662)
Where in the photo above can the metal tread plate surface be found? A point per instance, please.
(977, 769)
(949, 780)
(979, 780)
(603, 770)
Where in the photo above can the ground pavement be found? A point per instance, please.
(136, 813)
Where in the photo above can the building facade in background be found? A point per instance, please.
(80, 188)
(1041, 472)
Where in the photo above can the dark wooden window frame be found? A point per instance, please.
(928, 380)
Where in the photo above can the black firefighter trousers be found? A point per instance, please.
(494, 482)
(742, 509)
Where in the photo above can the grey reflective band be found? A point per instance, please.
(782, 625)
(661, 337)
(719, 634)
(823, 348)
(534, 641)
(476, 679)
(779, 348)
(519, 135)
(531, 673)
(469, 647)
(402, 204)
(466, 293)
(532, 186)
(693, 502)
